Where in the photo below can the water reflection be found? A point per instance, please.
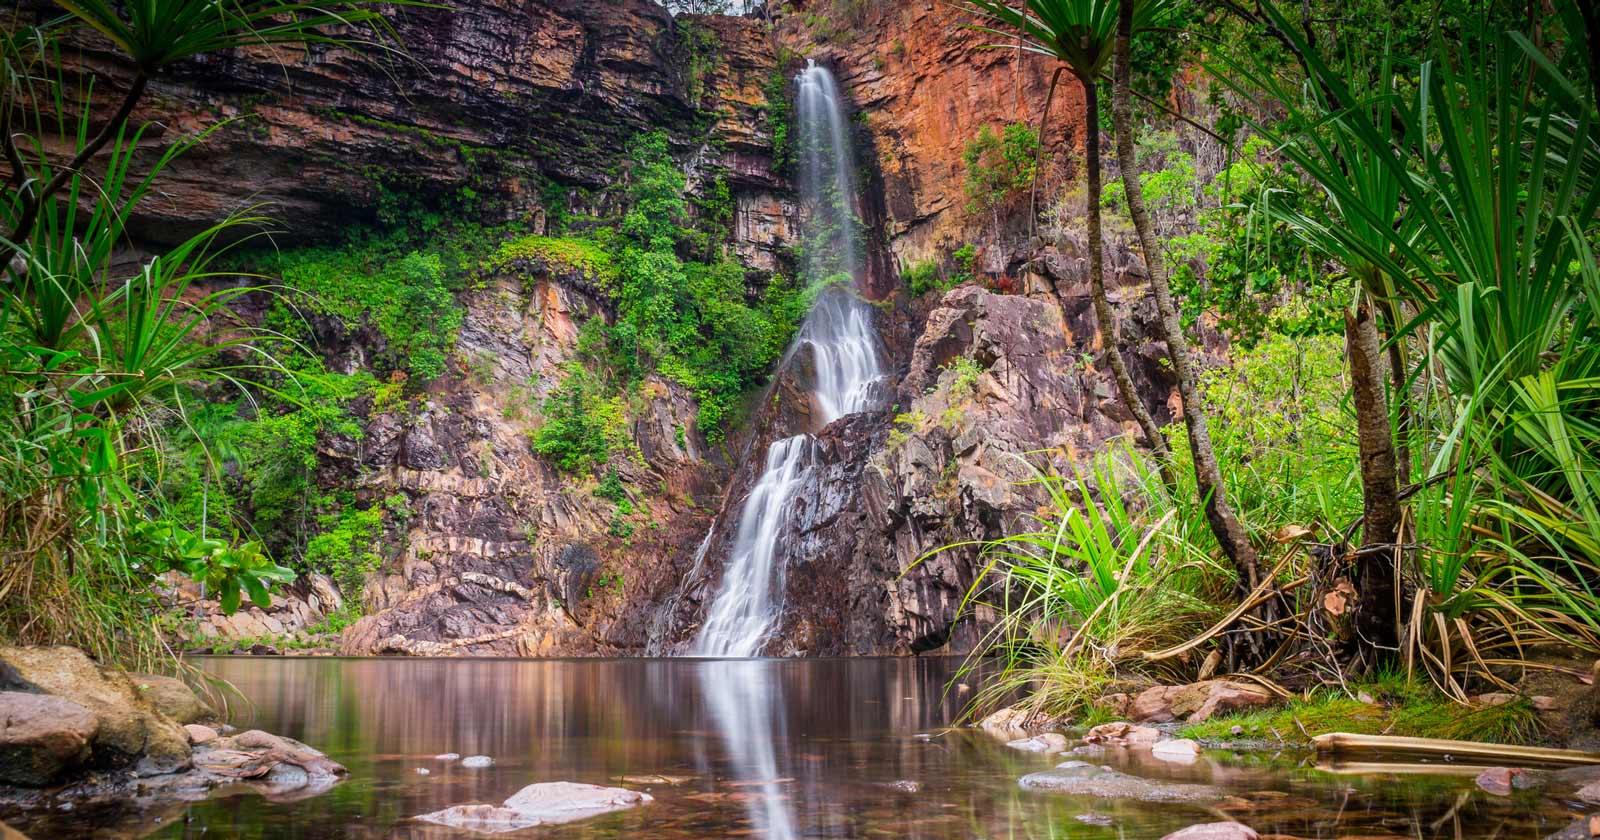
(749, 713)
(765, 748)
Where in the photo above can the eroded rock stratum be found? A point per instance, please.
(503, 553)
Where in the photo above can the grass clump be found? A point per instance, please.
(584, 256)
(1402, 709)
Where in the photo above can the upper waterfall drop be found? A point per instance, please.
(846, 365)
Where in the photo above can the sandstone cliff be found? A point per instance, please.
(526, 107)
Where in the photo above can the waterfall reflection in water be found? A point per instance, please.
(749, 712)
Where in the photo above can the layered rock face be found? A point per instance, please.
(510, 106)
(529, 105)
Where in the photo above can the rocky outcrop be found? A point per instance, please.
(128, 731)
(926, 85)
(503, 553)
(75, 734)
(292, 614)
(992, 390)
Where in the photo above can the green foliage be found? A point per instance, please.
(778, 116)
(1401, 708)
(98, 360)
(964, 371)
(690, 321)
(1093, 584)
(1000, 167)
(560, 254)
(377, 281)
(347, 548)
(581, 428)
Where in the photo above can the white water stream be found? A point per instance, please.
(846, 364)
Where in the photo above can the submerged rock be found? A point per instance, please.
(1214, 831)
(1080, 778)
(1182, 751)
(1122, 734)
(1048, 742)
(548, 803)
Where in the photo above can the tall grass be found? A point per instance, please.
(96, 355)
(1106, 570)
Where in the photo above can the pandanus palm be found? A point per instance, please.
(1083, 35)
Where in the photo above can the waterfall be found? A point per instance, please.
(846, 363)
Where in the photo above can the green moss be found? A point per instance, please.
(1403, 710)
(585, 256)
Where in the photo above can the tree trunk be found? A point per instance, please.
(1220, 515)
(1109, 333)
(1376, 620)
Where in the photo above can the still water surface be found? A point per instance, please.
(770, 749)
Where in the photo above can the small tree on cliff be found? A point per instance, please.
(1079, 33)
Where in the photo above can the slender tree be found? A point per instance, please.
(1220, 515)
(1079, 33)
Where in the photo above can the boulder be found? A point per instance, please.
(1498, 780)
(1214, 831)
(130, 730)
(1122, 734)
(173, 698)
(549, 803)
(562, 802)
(1153, 705)
(1080, 778)
(1199, 701)
(1589, 793)
(41, 736)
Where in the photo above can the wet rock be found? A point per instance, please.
(1589, 793)
(199, 734)
(1012, 724)
(130, 731)
(549, 803)
(1214, 831)
(1583, 828)
(447, 757)
(1199, 701)
(1498, 780)
(1048, 742)
(255, 754)
(41, 737)
(422, 771)
(1122, 734)
(490, 819)
(1179, 751)
(173, 698)
(1083, 779)
(475, 762)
